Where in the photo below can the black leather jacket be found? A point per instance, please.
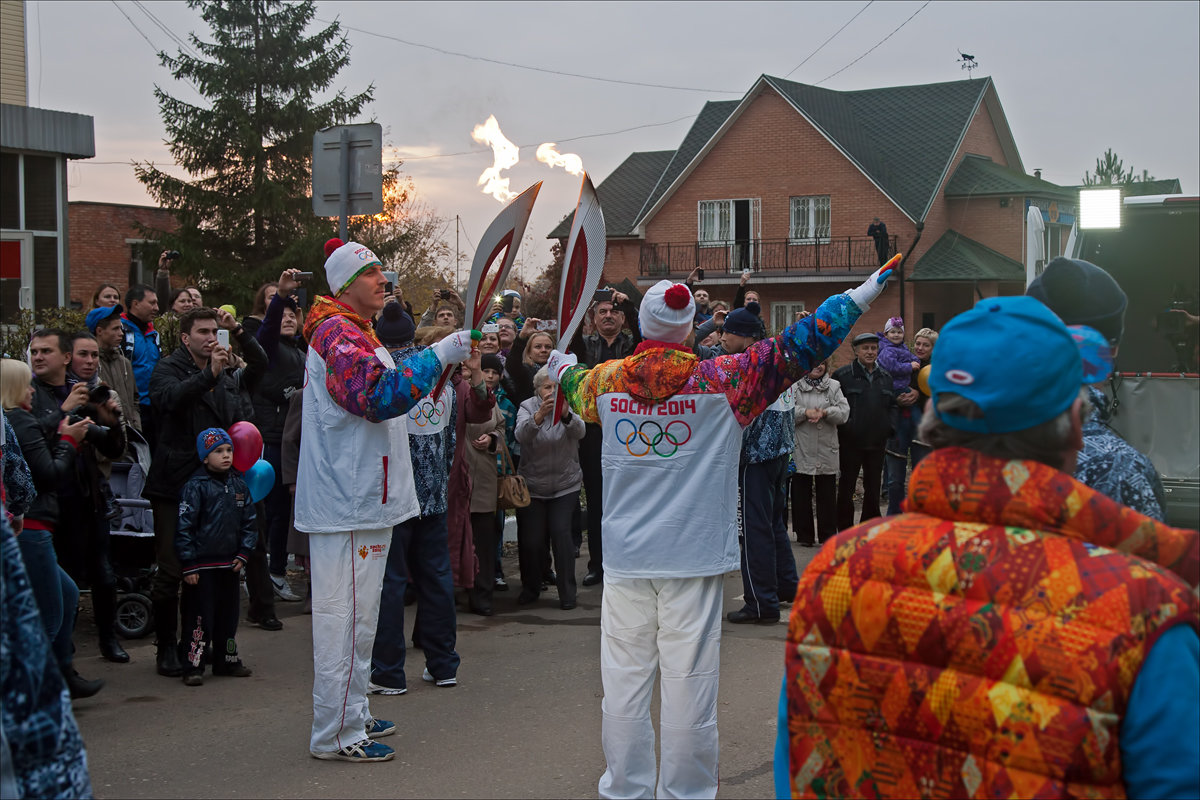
(216, 521)
(871, 400)
(187, 400)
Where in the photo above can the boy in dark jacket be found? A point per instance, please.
(216, 533)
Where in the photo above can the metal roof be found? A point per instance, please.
(43, 131)
(622, 193)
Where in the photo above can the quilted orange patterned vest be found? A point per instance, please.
(985, 643)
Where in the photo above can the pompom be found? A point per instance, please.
(754, 308)
(677, 297)
(331, 245)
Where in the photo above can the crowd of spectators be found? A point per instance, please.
(85, 400)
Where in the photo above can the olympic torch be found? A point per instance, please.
(582, 268)
(493, 260)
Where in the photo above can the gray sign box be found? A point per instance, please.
(348, 158)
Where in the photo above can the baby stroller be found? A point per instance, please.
(131, 545)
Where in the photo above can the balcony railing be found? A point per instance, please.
(851, 255)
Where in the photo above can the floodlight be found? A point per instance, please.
(1100, 208)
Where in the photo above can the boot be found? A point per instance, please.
(166, 618)
(79, 686)
(104, 605)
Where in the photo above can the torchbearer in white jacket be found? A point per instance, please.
(354, 483)
(662, 413)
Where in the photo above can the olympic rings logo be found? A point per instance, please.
(662, 441)
(427, 412)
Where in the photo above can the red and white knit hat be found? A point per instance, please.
(346, 261)
(667, 312)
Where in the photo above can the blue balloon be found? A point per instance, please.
(260, 479)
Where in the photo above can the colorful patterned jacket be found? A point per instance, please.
(355, 472)
(983, 644)
(670, 421)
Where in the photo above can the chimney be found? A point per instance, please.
(1037, 173)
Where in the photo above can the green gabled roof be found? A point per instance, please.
(1141, 188)
(954, 257)
(901, 137)
(622, 193)
(980, 176)
(710, 118)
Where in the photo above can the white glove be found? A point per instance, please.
(558, 363)
(873, 286)
(455, 348)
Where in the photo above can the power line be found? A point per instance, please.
(183, 45)
(830, 39)
(136, 28)
(558, 141)
(881, 41)
(546, 70)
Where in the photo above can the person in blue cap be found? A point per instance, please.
(116, 370)
(1014, 631)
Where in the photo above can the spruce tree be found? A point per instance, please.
(246, 211)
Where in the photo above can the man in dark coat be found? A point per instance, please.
(877, 230)
(610, 341)
(863, 439)
(190, 391)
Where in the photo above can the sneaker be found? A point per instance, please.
(428, 678)
(366, 750)
(283, 591)
(235, 670)
(501, 584)
(380, 728)
(375, 688)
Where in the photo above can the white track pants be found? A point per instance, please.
(347, 578)
(672, 625)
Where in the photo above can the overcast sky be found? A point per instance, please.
(1073, 78)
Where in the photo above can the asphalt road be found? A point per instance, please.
(524, 720)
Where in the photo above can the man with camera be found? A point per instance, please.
(612, 312)
(190, 392)
(81, 532)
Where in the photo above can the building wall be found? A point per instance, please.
(773, 154)
(99, 252)
(13, 80)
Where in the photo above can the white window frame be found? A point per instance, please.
(784, 314)
(25, 294)
(714, 222)
(810, 219)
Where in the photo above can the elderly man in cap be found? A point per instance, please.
(862, 440)
(1081, 293)
(669, 423)
(1014, 633)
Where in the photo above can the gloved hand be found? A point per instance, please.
(456, 347)
(558, 363)
(873, 286)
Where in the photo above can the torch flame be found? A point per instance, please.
(568, 161)
(505, 156)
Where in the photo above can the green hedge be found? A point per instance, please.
(15, 332)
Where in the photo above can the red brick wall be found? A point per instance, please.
(98, 252)
(773, 154)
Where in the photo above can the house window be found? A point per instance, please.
(715, 222)
(139, 249)
(784, 314)
(810, 219)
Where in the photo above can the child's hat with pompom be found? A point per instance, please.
(667, 312)
(345, 261)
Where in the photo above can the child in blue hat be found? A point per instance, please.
(217, 532)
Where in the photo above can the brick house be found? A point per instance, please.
(106, 246)
(786, 181)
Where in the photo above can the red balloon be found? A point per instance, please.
(247, 445)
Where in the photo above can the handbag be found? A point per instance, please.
(511, 491)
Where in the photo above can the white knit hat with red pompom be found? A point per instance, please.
(667, 312)
(345, 261)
